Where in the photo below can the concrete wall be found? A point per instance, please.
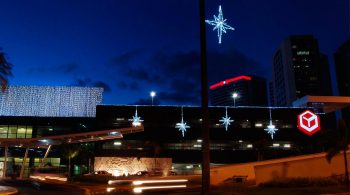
(220, 174)
(314, 165)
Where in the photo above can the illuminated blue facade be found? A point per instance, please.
(43, 101)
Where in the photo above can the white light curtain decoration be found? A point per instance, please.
(271, 129)
(136, 120)
(182, 125)
(226, 121)
(219, 24)
(50, 101)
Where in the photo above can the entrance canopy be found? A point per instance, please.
(44, 142)
(327, 103)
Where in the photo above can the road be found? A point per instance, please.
(27, 187)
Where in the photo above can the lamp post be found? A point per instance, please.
(234, 96)
(205, 110)
(152, 94)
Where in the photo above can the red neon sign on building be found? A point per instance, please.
(231, 80)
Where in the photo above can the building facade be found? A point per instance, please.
(299, 70)
(342, 68)
(250, 90)
(244, 139)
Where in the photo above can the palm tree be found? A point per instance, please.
(155, 147)
(340, 145)
(70, 151)
(86, 155)
(5, 70)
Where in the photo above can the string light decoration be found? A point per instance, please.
(226, 121)
(271, 129)
(219, 24)
(182, 125)
(45, 101)
(136, 120)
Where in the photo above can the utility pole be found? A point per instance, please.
(205, 111)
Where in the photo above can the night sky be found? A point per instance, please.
(131, 47)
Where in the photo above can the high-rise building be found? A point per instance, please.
(250, 90)
(299, 70)
(342, 68)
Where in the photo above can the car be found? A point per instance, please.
(172, 173)
(102, 173)
(142, 173)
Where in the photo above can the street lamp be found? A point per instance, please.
(234, 96)
(152, 94)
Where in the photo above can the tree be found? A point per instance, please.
(70, 151)
(340, 144)
(5, 70)
(155, 147)
(86, 154)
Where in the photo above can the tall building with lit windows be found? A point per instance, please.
(299, 69)
(250, 90)
(342, 68)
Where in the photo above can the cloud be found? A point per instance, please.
(127, 57)
(148, 101)
(102, 84)
(178, 74)
(177, 63)
(124, 85)
(183, 92)
(63, 68)
(144, 75)
(230, 63)
(89, 83)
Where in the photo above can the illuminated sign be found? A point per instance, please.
(231, 80)
(301, 53)
(309, 122)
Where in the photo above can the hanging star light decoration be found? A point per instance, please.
(182, 126)
(226, 120)
(219, 24)
(271, 129)
(136, 120)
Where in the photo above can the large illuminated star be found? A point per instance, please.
(136, 120)
(182, 126)
(271, 129)
(226, 120)
(219, 24)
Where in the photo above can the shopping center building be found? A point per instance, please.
(36, 121)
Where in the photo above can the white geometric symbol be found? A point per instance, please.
(311, 117)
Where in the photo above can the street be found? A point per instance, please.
(28, 187)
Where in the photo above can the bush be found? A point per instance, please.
(301, 182)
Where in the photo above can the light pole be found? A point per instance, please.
(152, 94)
(234, 96)
(205, 110)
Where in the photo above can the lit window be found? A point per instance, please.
(276, 145)
(286, 145)
(258, 125)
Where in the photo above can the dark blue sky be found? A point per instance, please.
(131, 47)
